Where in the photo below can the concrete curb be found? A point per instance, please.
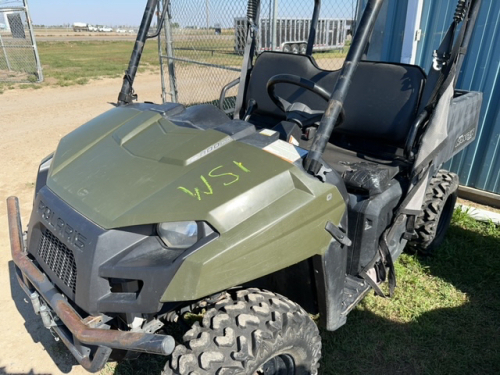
(479, 215)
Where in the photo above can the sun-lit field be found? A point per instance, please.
(85, 56)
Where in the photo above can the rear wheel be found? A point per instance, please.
(255, 333)
(433, 222)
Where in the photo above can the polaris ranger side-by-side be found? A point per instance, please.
(296, 206)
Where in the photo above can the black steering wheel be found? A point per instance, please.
(293, 80)
(305, 83)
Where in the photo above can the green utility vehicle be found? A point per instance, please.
(296, 206)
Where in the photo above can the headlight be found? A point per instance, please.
(181, 235)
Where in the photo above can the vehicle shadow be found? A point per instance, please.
(34, 326)
(447, 340)
(455, 340)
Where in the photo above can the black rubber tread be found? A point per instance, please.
(433, 222)
(238, 335)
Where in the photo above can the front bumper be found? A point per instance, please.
(59, 316)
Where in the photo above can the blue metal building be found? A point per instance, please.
(416, 28)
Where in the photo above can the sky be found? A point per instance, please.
(185, 12)
(99, 12)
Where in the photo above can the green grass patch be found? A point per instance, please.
(70, 63)
(340, 53)
(443, 318)
(77, 62)
(29, 86)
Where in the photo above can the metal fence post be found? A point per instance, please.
(5, 54)
(160, 7)
(207, 9)
(170, 56)
(33, 42)
(275, 25)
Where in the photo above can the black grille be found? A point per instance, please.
(58, 258)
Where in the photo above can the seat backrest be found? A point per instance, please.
(381, 103)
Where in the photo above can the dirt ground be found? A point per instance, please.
(70, 36)
(31, 124)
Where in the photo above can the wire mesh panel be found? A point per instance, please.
(203, 42)
(285, 26)
(334, 35)
(200, 36)
(19, 60)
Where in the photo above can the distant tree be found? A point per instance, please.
(175, 25)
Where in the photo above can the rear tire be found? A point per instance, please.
(433, 222)
(258, 332)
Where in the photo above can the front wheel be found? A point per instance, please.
(255, 333)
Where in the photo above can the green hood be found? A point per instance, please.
(130, 167)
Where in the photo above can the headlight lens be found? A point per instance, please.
(179, 235)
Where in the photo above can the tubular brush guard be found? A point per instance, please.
(68, 325)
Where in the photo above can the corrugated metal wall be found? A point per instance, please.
(478, 166)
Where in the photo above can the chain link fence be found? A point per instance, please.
(19, 60)
(202, 44)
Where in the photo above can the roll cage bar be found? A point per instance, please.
(127, 94)
(466, 10)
